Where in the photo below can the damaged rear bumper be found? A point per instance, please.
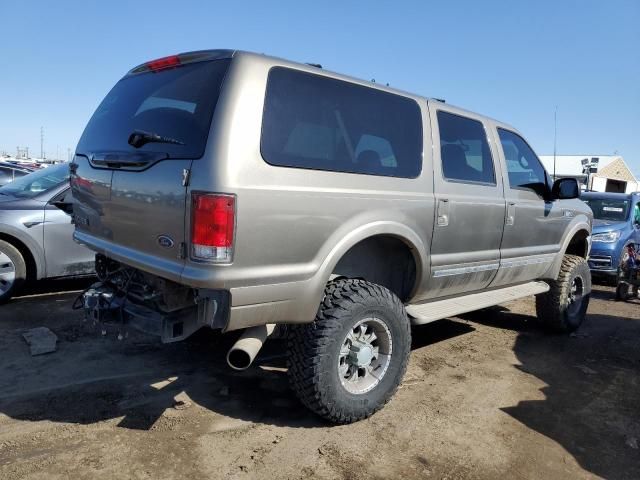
(102, 303)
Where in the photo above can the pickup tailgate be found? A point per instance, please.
(128, 174)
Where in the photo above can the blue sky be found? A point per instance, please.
(512, 60)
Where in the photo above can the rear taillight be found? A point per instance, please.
(213, 220)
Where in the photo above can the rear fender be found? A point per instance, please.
(8, 233)
(341, 247)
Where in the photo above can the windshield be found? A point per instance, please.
(611, 209)
(37, 182)
(176, 103)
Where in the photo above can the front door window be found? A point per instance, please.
(523, 167)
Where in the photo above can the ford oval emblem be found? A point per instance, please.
(165, 241)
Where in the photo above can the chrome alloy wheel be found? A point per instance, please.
(365, 355)
(7, 273)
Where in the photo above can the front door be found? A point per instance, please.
(470, 207)
(533, 227)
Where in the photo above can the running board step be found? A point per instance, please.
(439, 309)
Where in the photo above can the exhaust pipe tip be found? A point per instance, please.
(239, 359)
(245, 350)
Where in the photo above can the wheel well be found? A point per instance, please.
(32, 270)
(383, 259)
(579, 244)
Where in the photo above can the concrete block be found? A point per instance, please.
(40, 340)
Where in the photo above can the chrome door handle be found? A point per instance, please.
(511, 214)
(443, 213)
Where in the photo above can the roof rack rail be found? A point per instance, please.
(317, 65)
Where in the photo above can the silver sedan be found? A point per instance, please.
(36, 231)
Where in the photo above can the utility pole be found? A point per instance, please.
(68, 154)
(42, 143)
(555, 140)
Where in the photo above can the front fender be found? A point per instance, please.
(578, 224)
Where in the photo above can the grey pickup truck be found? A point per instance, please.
(237, 191)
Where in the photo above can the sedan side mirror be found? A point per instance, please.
(66, 207)
(565, 189)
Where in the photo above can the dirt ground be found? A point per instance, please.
(488, 395)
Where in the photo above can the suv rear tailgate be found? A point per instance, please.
(130, 195)
(135, 217)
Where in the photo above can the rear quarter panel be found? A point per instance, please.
(25, 222)
(294, 224)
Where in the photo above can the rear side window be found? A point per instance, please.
(523, 166)
(177, 103)
(464, 150)
(6, 175)
(321, 123)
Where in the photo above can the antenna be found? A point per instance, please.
(555, 140)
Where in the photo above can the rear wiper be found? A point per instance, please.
(139, 138)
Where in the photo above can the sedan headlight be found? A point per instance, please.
(608, 237)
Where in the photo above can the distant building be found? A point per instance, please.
(608, 173)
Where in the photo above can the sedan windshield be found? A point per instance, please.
(37, 182)
(611, 209)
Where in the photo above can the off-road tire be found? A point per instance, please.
(19, 266)
(313, 350)
(553, 307)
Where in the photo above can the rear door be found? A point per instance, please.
(470, 207)
(132, 162)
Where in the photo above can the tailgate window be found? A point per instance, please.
(175, 103)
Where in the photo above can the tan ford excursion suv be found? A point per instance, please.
(231, 190)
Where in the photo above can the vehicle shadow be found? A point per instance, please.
(431, 333)
(94, 377)
(56, 285)
(590, 408)
(591, 405)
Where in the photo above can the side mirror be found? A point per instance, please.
(66, 207)
(565, 189)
